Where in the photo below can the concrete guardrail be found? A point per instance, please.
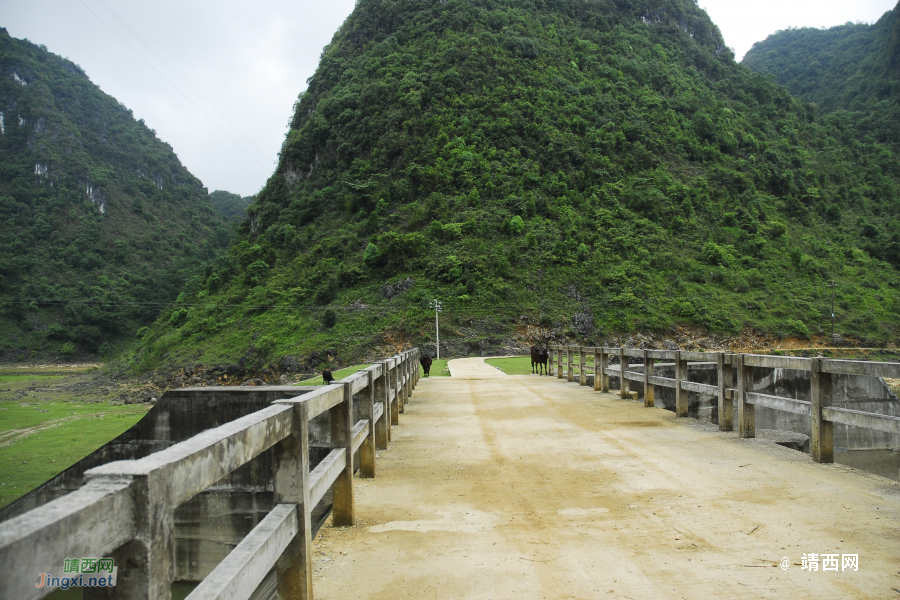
(125, 509)
(822, 415)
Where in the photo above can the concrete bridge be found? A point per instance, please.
(502, 487)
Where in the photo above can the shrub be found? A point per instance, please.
(178, 317)
(797, 328)
(516, 225)
(67, 349)
(370, 253)
(329, 318)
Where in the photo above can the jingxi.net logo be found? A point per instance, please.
(80, 573)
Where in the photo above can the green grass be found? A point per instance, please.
(518, 365)
(317, 380)
(43, 432)
(438, 369)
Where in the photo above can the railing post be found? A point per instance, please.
(582, 365)
(746, 420)
(392, 388)
(559, 364)
(342, 437)
(726, 406)
(383, 425)
(604, 365)
(407, 374)
(399, 386)
(148, 560)
(822, 439)
(367, 411)
(598, 373)
(570, 364)
(624, 386)
(681, 396)
(290, 480)
(649, 388)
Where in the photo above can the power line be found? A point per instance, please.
(183, 79)
(173, 85)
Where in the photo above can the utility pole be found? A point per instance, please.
(437, 326)
(832, 310)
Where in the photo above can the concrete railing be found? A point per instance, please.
(125, 509)
(731, 393)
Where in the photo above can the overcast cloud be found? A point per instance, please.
(251, 60)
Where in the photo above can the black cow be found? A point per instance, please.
(327, 376)
(539, 357)
(425, 361)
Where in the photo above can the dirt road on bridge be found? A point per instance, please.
(520, 487)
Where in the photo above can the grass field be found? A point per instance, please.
(518, 365)
(438, 369)
(43, 431)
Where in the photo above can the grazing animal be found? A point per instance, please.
(327, 376)
(539, 357)
(425, 361)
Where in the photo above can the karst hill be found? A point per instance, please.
(550, 168)
(100, 224)
(852, 69)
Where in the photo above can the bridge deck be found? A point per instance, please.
(526, 487)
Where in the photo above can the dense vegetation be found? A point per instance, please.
(231, 206)
(854, 68)
(99, 221)
(594, 167)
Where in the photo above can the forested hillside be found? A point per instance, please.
(231, 206)
(595, 168)
(853, 68)
(100, 224)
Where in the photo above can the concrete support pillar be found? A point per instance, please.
(342, 437)
(383, 425)
(290, 480)
(726, 406)
(559, 363)
(570, 364)
(148, 561)
(624, 387)
(598, 373)
(410, 375)
(404, 361)
(649, 388)
(392, 383)
(746, 420)
(367, 411)
(822, 441)
(681, 396)
(604, 365)
(582, 365)
(401, 395)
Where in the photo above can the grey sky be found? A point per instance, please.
(251, 60)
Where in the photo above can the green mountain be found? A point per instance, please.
(853, 68)
(589, 168)
(231, 206)
(100, 224)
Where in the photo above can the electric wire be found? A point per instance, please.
(179, 75)
(152, 66)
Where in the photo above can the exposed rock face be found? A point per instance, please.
(390, 290)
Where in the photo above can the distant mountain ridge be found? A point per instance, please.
(852, 67)
(550, 170)
(100, 223)
(231, 206)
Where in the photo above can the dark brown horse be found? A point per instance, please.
(425, 361)
(539, 357)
